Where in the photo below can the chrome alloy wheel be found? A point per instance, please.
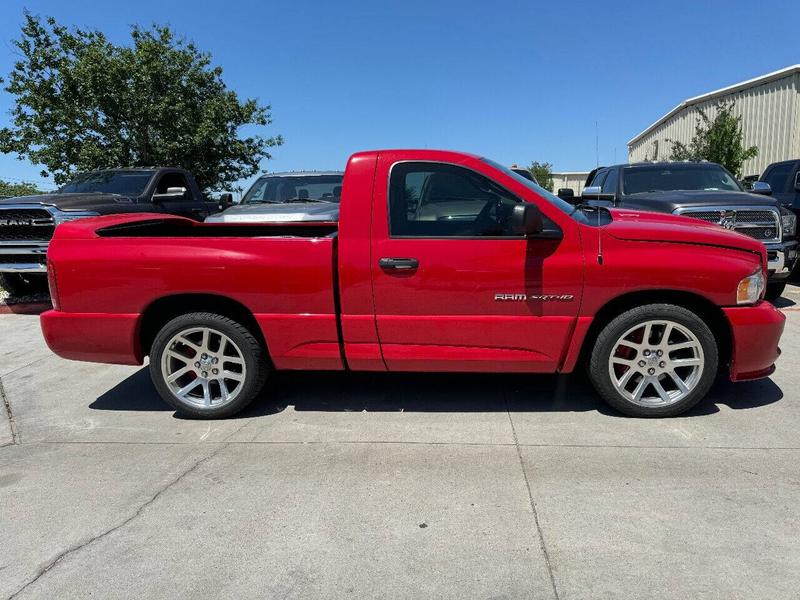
(656, 363)
(203, 367)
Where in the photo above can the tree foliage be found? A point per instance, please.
(543, 172)
(717, 140)
(84, 103)
(18, 189)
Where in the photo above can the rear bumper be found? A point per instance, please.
(104, 338)
(756, 331)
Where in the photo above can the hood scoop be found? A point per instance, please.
(643, 226)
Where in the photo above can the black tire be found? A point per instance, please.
(23, 284)
(775, 291)
(253, 353)
(610, 335)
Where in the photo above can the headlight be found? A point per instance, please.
(751, 288)
(788, 223)
(63, 217)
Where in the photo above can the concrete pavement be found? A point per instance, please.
(392, 486)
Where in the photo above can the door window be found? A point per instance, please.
(599, 179)
(610, 184)
(441, 200)
(172, 180)
(777, 176)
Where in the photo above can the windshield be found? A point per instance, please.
(124, 183)
(295, 188)
(667, 178)
(560, 204)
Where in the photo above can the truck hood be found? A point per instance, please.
(645, 226)
(278, 213)
(671, 201)
(99, 203)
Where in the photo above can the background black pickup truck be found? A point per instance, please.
(784, 181)
(704, 191)
(27, 223)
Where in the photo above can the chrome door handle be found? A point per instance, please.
(398, 264)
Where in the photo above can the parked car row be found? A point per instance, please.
(701, 190)
(704, 191)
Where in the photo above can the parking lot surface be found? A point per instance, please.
(392, 486)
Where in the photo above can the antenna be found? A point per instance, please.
(596, 144)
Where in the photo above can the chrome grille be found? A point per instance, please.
(26, 224)
(39, 259)
(763, 225)
(712, 216)
(755, 216)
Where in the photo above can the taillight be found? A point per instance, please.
(53, 284)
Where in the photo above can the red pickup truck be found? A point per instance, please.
(440, 261)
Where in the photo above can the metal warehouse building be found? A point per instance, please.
(570, 179)
(770, 109)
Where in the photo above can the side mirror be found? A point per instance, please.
(592, 191)
(595, 192)
(797, 183)
(225, 200)
(172, 194)
(567, 194)
(526, 219)
(761, 187)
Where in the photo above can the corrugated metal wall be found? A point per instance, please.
(770, 120)
(569, 180)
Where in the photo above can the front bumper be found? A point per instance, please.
(23, 257)
(755, 332)
(781, 259)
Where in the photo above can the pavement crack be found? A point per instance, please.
(12, 423)
(539, 533)
(79, 546)
(30, 364)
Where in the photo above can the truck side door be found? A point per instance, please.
(453, 289)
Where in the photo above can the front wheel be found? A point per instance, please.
(657, 360)
(207, 366)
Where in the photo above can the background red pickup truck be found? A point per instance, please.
(441, 261)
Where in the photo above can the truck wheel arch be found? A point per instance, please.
(159, 312)
(707, 310)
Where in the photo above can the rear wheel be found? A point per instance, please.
(657, 360)
(775, 291)
(23, 284)
(207, 366)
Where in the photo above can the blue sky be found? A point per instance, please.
(514, 81)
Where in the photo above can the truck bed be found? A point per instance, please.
(284, 274)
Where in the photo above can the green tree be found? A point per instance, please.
(83, 103)
(543, 172)
(717, 140)
(18, 189)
